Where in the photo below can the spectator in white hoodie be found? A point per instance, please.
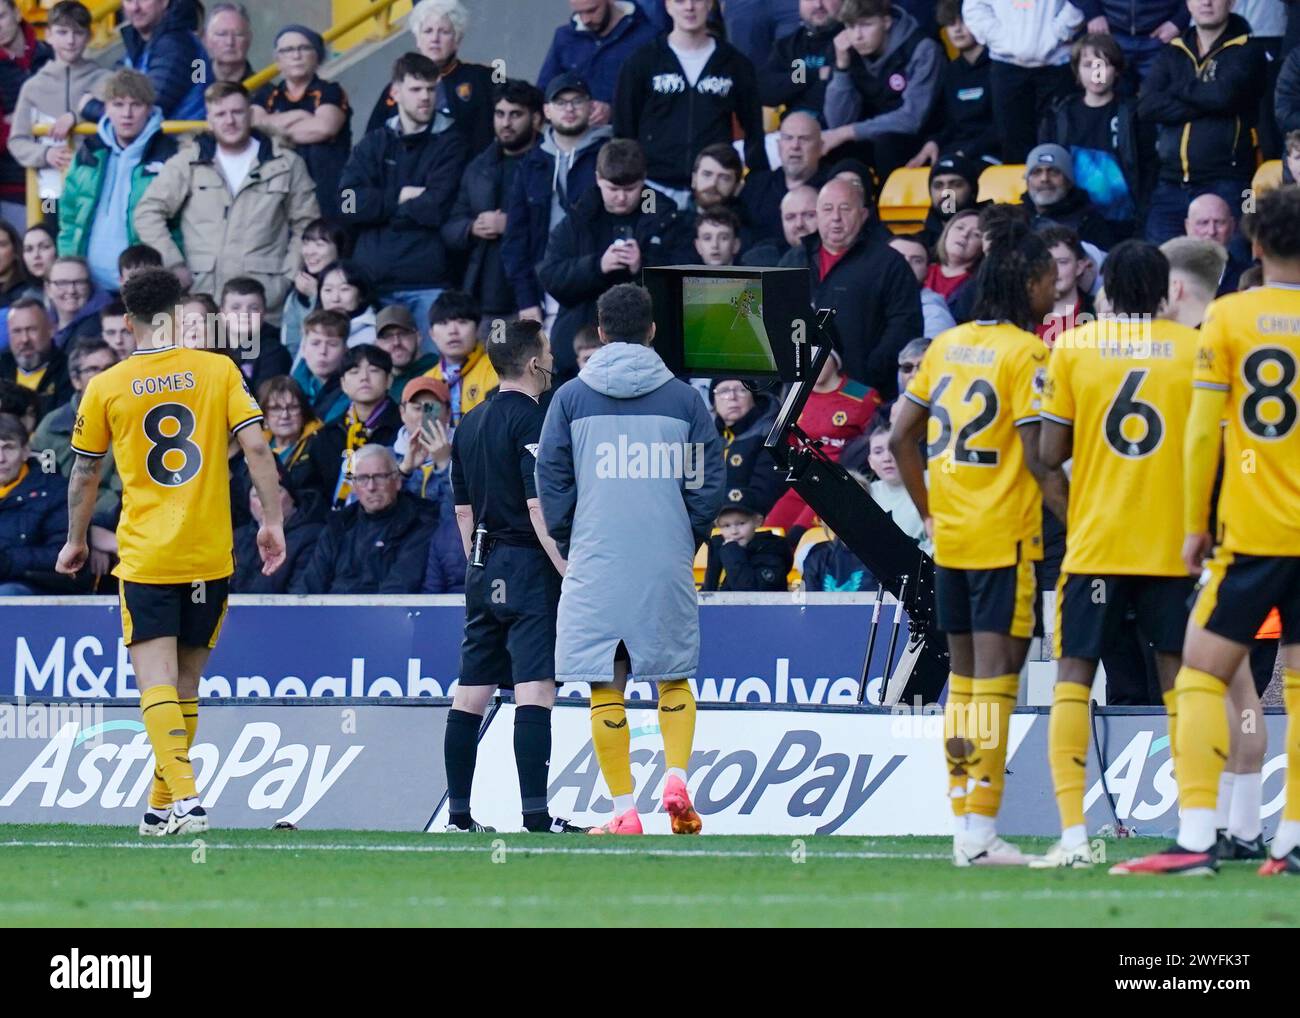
(1029, 47)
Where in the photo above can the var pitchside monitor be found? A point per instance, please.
(715, 322)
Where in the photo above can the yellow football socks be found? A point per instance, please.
(160, 796)
(1170, 698)
(165, 724)
(1291, 697)
(1067, 749)
(1203, 738)
(988, 726)
(676, 722)
(611, 738)
(955, 747)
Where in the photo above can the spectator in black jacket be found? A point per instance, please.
(250, 341)
(302, 527)
(464, 90)
(607, 239)
(1100, 130)
(885, 82)
(478, 219)
(377, 545)
(1210, 218)
(850, 267)
(161, 41)
(371, 417)
(1052, 196)
(715, 181)
(800, 146)
(798, 220)
(744, 417)
(954, 187)
(799, 65)
(962, 118)
(682, 92)
(228, 36)
(552, 176)
(1204, 118)
(743, 558)
(32, 360)
(398, 188)
(33, 514)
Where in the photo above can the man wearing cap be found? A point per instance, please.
(396, 335)
(549, 179)
(1053, 197)
(423, 443)
(308, 110)
(954, 185)
(594, 44)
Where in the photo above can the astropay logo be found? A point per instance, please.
(77, 971)
(77, 768)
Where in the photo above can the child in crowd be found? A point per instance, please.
(741, 557)
(325, 335)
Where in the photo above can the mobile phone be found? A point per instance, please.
(428, 414)
(622, 235)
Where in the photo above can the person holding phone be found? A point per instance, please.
(423, 443)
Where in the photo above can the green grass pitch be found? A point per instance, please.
(74, 876)
(726, 340)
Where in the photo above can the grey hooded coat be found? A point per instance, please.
(631, 477)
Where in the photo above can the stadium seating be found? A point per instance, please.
(905, 199)
(1003, 184)
(1267, 177)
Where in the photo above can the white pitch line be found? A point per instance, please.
(437, 849)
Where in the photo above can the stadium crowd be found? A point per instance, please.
(355, 285)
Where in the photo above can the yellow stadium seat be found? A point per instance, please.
(905, 199)
(1267, 177)
(1003, 184)
(772, 118)
(810, 537)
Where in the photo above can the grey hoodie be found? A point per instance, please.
(564, 161)
(53, 91)
(630, 477)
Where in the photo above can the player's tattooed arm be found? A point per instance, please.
(83, 487)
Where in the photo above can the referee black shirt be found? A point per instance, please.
(493, 458)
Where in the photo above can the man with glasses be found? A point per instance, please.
(397, 335)
(75, 300)
(550, 178)
(32, 360)
(227, 38)
(54, 434)
(379, 543)
(909, 360)
(743, 417)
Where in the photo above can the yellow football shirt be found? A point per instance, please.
(980, 381)
(1125, 387)
(168, 413)
(1250, 349)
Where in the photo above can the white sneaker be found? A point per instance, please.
(991, 852)
(1060, 857)
(193, 821)
(154, 824)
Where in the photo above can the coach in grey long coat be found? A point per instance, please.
(630, 477)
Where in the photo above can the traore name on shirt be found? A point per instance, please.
(1141, 350)
(151, 386)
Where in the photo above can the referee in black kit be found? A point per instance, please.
(512, 583)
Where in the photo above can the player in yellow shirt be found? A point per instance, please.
(1117, 394)
(1246, 374)
(977, 395)
(168, 412)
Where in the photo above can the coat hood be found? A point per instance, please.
(625, 370)
(136, 148)
(596, 136)
(899, 32)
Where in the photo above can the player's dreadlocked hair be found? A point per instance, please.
(1016, 256)
(1136, 276)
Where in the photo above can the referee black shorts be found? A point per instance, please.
(1091, 611)
(510, 609)
(191, 612)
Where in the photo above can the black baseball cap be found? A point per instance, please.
(566, 82)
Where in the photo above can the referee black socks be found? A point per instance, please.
(533, 761)
(460, 749)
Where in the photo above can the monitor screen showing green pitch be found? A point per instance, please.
(722, 326)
